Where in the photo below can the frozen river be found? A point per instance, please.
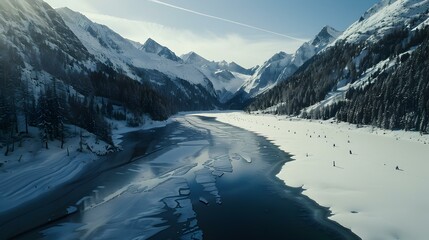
(194, 179)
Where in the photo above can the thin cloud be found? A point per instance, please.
(226, 20)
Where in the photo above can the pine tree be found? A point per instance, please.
(44, 123)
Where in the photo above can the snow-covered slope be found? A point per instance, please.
(267, 75)
(380, 20)
(309, 49)
(226, 77)
(31, 25)
(385, 17)
(375, 73)
(45, 47)
(283, 65)
(151, 46)
(111, 48)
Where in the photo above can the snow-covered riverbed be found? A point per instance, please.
(364, 190)
(194, 179)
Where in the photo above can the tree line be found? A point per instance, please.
(394, 97)
(54, 105)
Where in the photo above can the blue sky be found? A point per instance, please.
(245, 31)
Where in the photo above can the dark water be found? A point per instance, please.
(160, 194)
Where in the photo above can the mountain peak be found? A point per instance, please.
(150, 41)
(193, 58)
(278, 56)
(152, 46)
(325, 36)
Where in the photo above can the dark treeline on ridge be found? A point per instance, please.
(394, 97)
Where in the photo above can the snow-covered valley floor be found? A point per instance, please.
(364, 190)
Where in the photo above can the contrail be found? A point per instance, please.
(227, 20)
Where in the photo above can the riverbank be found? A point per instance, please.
(32, 174)
(364, 191)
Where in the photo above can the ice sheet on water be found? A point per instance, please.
(246, 157)
(197, 142)
(210, 187)
(208, 181)
(208, 162)
(222, 163)
(204, 200)
(217, 173)
(184, 191)
(135, 189)
(171, 202)
(241, 156)
(204, 176)
(235, 156)
(184, 209)
(184, 170)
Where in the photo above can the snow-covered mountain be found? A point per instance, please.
(384, 17)
(109, 47)
(226, 77)
(197, 60)
(374, 73)
(282, 65)
(383, 20)
(151, 46)
(31, 25)
(267, 75)
(41, 44)
(125, 55)
(44, 45)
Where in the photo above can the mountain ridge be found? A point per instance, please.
(364, 76)
(151, 46)
(282, 65)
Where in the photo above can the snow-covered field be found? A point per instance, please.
(363, 190)
(31, 170)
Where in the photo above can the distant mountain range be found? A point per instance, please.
(281, 66)
(354, 75)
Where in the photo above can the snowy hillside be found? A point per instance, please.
(375, 73)
(32, 27)
(283, 65)
(382, 19)
(267, 75)
(386, 16)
